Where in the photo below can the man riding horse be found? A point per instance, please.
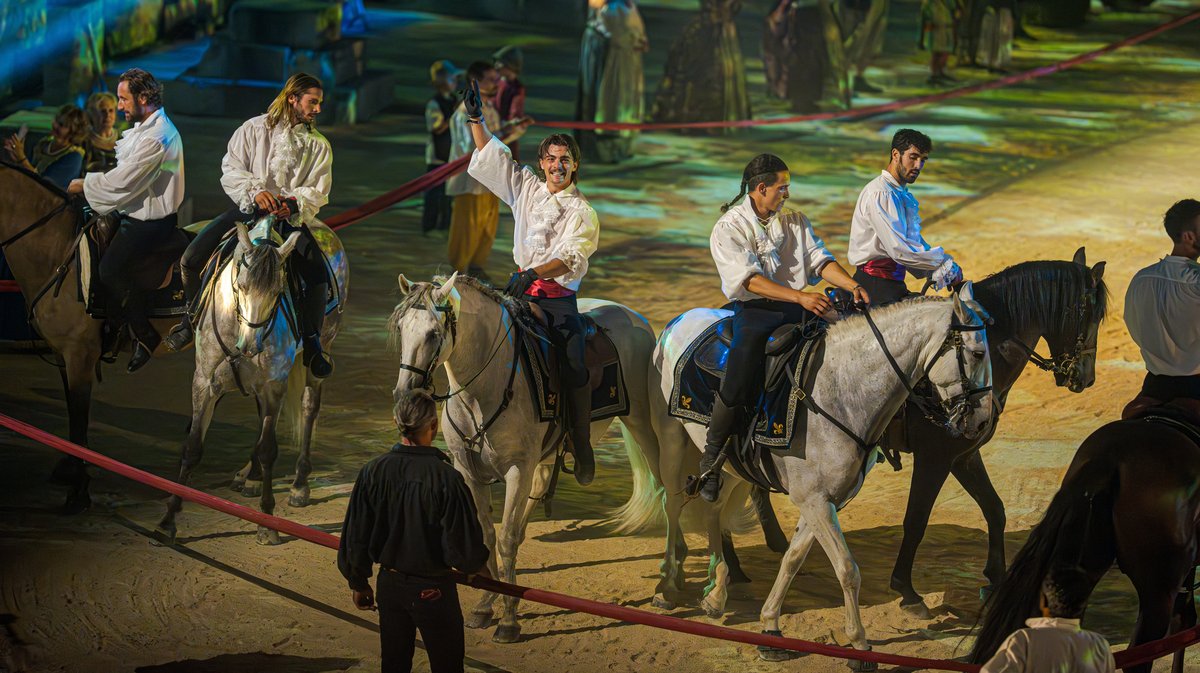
(146, 185)
(885, 232)
(276, 163)
(766, 256)
(1162, 305)
(555, 232)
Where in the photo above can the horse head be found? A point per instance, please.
(1073, 349)
(423, 328)
(260, 281)
(961, 370)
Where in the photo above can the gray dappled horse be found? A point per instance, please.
(245, 341)
(38, 231)
(468, 328)
(856, 385)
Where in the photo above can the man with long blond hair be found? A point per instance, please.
(277, 163)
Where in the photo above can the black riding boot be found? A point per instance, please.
(182, 334)
(312, 319)
(579, 408)
(720, 427)
(145, 337)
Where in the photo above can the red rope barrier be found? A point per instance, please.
(1125, 659)
(9, 286)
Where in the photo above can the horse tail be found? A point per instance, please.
(1058, 539)
(644, 509)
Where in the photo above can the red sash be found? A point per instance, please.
(884, 268)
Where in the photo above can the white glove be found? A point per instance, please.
(947, 274)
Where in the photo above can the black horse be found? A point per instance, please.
(1059, 301)
(1131, 495)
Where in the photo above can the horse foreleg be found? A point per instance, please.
(822, 517)
(78, 373)
(930, 470)
(266, 451)
(518, 483)
(481, 614)
(789, 565)
(204, 402)
(310, 407)
(970, 471)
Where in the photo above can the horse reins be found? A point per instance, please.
(1067, 365)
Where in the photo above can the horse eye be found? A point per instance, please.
(431, 335)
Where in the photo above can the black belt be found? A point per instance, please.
(400, 574)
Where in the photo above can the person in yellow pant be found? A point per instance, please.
(472, 232)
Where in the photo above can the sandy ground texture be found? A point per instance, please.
(1092, 157)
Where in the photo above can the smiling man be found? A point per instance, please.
(768, 257)
(277, 163)
(555, 232)
(885, 233)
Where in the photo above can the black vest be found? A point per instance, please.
(441, 141)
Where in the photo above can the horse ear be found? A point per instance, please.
(967, 291)
(243, 235)
(1080, 256)
(289, 245)
(960, 311)
(1098, 272)
(446, 288)
(405, 285)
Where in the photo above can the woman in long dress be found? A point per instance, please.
(794, 54)
(592, 53)
(705, 79)
(622, 89)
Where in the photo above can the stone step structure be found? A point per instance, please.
(265, 42)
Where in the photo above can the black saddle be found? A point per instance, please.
(166, 300)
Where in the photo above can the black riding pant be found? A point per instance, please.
(563, 315)
(408, 603)
(133, 266)
(883, 291)
(1162, 387)
(753, 323)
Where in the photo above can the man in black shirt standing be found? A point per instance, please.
(411, 513)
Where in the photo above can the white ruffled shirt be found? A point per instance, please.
(887, 225)
(1162, 312)
(147, 182)
(295, 162)
(1052, 645)
(784, 250)
(546, 226)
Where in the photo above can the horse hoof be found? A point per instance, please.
(918, 610)
(252, 489)
(713, 611)
(478, 620)
(267, 537)
(662, 603)
(163, 536)
(77, 503)
(298, 499)
(862, 666)
(985, 592)
(506, 634)
(775, 654)
(237, 485)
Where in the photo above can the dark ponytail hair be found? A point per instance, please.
(761, 170)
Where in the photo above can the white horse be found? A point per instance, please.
(490, 420)
(935, 338)
(245, 341)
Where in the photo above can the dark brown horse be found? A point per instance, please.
(1059, 301)
(1130, 496)
(37, 229)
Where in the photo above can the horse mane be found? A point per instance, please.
(36, 177)
(856, 321)
(1045, 293)
(262, 269)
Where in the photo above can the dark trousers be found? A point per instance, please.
(563, 314)
(438, 207)
(134, 265)
(1162, 387)
(883, 291)
(753, 323)
(407, 604)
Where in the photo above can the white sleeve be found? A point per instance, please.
(1010, 658)
(818, 255)
(580, 238)
(734, 256)
(494, 168)
(313, 193)
(883, 214)
(238, 181)
(133, 175)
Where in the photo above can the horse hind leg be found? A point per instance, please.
(930, 470)
(972, 474)
(310, 408)
(670, 582)
(78, 373)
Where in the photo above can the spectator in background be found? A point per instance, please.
(443, 76)
(1054, 641)
(101, 148)
(622, 97)
(592, 52)
(996, 35)
(510, 94)
(476, 210)
(59, 156)
(939, 20)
